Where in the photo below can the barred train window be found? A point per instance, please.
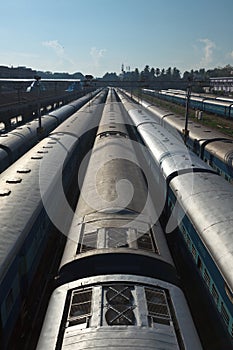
(183, 230)
(215, 294)
(80, 307)
(206, 277)
(158, 309)
(146, 242)
(188, 241)
(199, 263)
(89, 242)
(120, 305)
(120, 238)
(194, 252)
(117, 237)
(225, 314)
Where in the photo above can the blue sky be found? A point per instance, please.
(97, 36)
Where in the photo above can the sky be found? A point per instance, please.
(98, 36)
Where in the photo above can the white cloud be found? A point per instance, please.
(209, 46)
(96, 55)
(54, 44)
(64, 61)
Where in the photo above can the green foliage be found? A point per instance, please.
(173, 74)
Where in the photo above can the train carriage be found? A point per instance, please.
(117, 286)
(18, 141)
(30, 212)
(118, 312)
(208, 212)
(199, 207)
(210, 145)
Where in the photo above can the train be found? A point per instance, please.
(30, 210)
(210, 145)
(219, 105)
(207, 96)
(197, 206)
(117, 286)
(18, 141)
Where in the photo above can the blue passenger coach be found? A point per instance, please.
(210, 145)
(199, 206)
(205, 223)
(207, 104)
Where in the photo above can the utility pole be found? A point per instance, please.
(36, 87)
(186, 130)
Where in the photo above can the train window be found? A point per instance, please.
(229, 293)
(89, 242)
(214, 166)
(158, 310)
(206, 277)
(117, 237)
(225, 315)
(186, 237)
(199, 263)
(146, 242)
(182, 229)
(194, 252)
(120, 305)
(215, 294)
(80, 308)
(188, 241)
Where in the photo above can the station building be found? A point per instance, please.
(221, 84)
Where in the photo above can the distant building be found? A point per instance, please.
(221, 84)
(16, 72)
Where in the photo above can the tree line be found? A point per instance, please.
(170, 74)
